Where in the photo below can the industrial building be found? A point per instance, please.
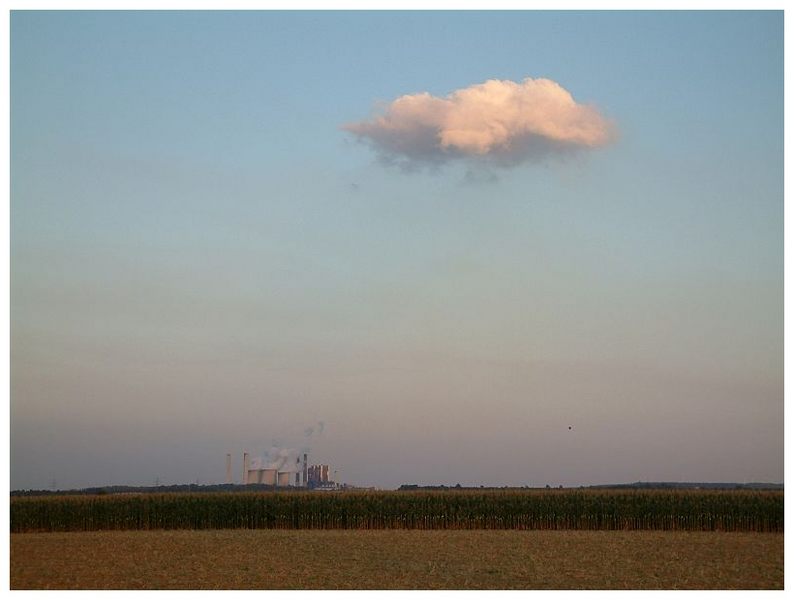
(318, 474)
(281, 468)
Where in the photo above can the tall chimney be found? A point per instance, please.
(228, 468)
(245, 468)
(305, 469)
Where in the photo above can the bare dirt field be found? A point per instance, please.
(277, 559)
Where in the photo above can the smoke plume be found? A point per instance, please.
(499, 122)
(309, 431)
(279, 458)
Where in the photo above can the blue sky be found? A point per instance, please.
(204, 262)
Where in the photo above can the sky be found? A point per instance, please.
(486, 248)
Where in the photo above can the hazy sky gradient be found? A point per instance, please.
(204, 261)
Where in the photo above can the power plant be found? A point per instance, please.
(318, 474)
(281, 467)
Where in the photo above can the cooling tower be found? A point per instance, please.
(283, 478)
(269, 476)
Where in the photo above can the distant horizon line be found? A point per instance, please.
(402, 487)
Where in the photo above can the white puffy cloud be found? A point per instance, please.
(499, 121)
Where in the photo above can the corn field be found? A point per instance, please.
(687, 510)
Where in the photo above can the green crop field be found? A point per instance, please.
(677, 510)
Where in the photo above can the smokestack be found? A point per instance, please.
(228, 468)
(305, 469)
(245, 468)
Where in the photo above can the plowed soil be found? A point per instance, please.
(275, 559)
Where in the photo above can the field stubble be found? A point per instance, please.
(396, 559)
